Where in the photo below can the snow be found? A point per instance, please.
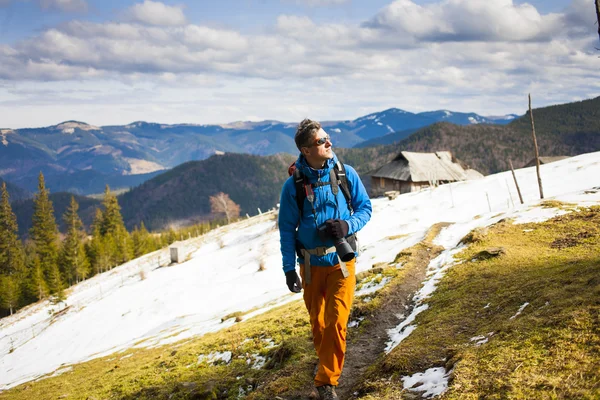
(432, 382)
(144, 303)
(520, 310)
(372, 286)
(215, 357)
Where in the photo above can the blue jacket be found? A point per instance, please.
(326, 207)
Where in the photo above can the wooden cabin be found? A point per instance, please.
(411, 172)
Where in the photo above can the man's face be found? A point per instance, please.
(319, 149)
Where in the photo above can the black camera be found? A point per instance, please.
(342, 247)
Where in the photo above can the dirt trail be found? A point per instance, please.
(364, 349)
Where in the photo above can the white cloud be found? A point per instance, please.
(402, 57)
(65, 5)
(156, 13)
(467, 20)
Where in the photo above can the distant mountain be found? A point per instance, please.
(458, 118)
(16, 192)
(181, 195)
(416, 121)
(82, 157)
(387, 139)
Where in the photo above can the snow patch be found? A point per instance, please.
(69, 127)
(372, 286)
(432, 382)
(520, 310)
(215, 357)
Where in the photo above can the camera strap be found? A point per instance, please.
(320, 251)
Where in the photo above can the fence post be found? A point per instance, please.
(537, 154)
(515, 178)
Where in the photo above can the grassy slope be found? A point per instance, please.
(551, 350)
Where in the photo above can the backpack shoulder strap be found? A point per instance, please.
(300, 190)
(344, 184)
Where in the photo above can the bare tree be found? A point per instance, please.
(220, 203)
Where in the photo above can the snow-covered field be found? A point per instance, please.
(140, 305)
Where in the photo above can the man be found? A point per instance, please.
(328, 282)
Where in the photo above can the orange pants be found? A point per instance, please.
(328, 299)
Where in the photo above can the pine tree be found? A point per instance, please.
(117, 240)
(12, 262)
(96, 248)
(73, 260)
(44, 234)
(142, 243)
(9, 292)
(34, 286)
(11, 251)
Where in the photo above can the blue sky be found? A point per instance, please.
(114, 62)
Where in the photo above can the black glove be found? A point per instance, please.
(337, 228)
(292, 281)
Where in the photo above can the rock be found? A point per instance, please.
(476, 235)
(490, 253)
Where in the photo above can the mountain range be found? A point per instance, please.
(82, 158)
(181, 195)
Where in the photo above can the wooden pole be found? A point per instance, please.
(537, 154)
(598, 15)
(516, 183)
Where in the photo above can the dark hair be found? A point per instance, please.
(306, 130)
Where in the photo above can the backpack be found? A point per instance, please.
(337, 180)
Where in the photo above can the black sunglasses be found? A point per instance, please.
(322, 141)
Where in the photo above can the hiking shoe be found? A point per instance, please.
(327, 392)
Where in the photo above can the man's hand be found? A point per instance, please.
(337, 228)
(293, 281)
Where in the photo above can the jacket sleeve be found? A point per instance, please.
(289, 216)
(361, 204)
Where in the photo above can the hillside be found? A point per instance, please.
(182, 194)
(438, 311)
(567, 129)
(16, 192)
(23, 209)
(88, 182)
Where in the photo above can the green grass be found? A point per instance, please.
(174, 372)
(551, 350)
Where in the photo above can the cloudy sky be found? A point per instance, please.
(114, 62)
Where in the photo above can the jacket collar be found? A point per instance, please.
(312, 173)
